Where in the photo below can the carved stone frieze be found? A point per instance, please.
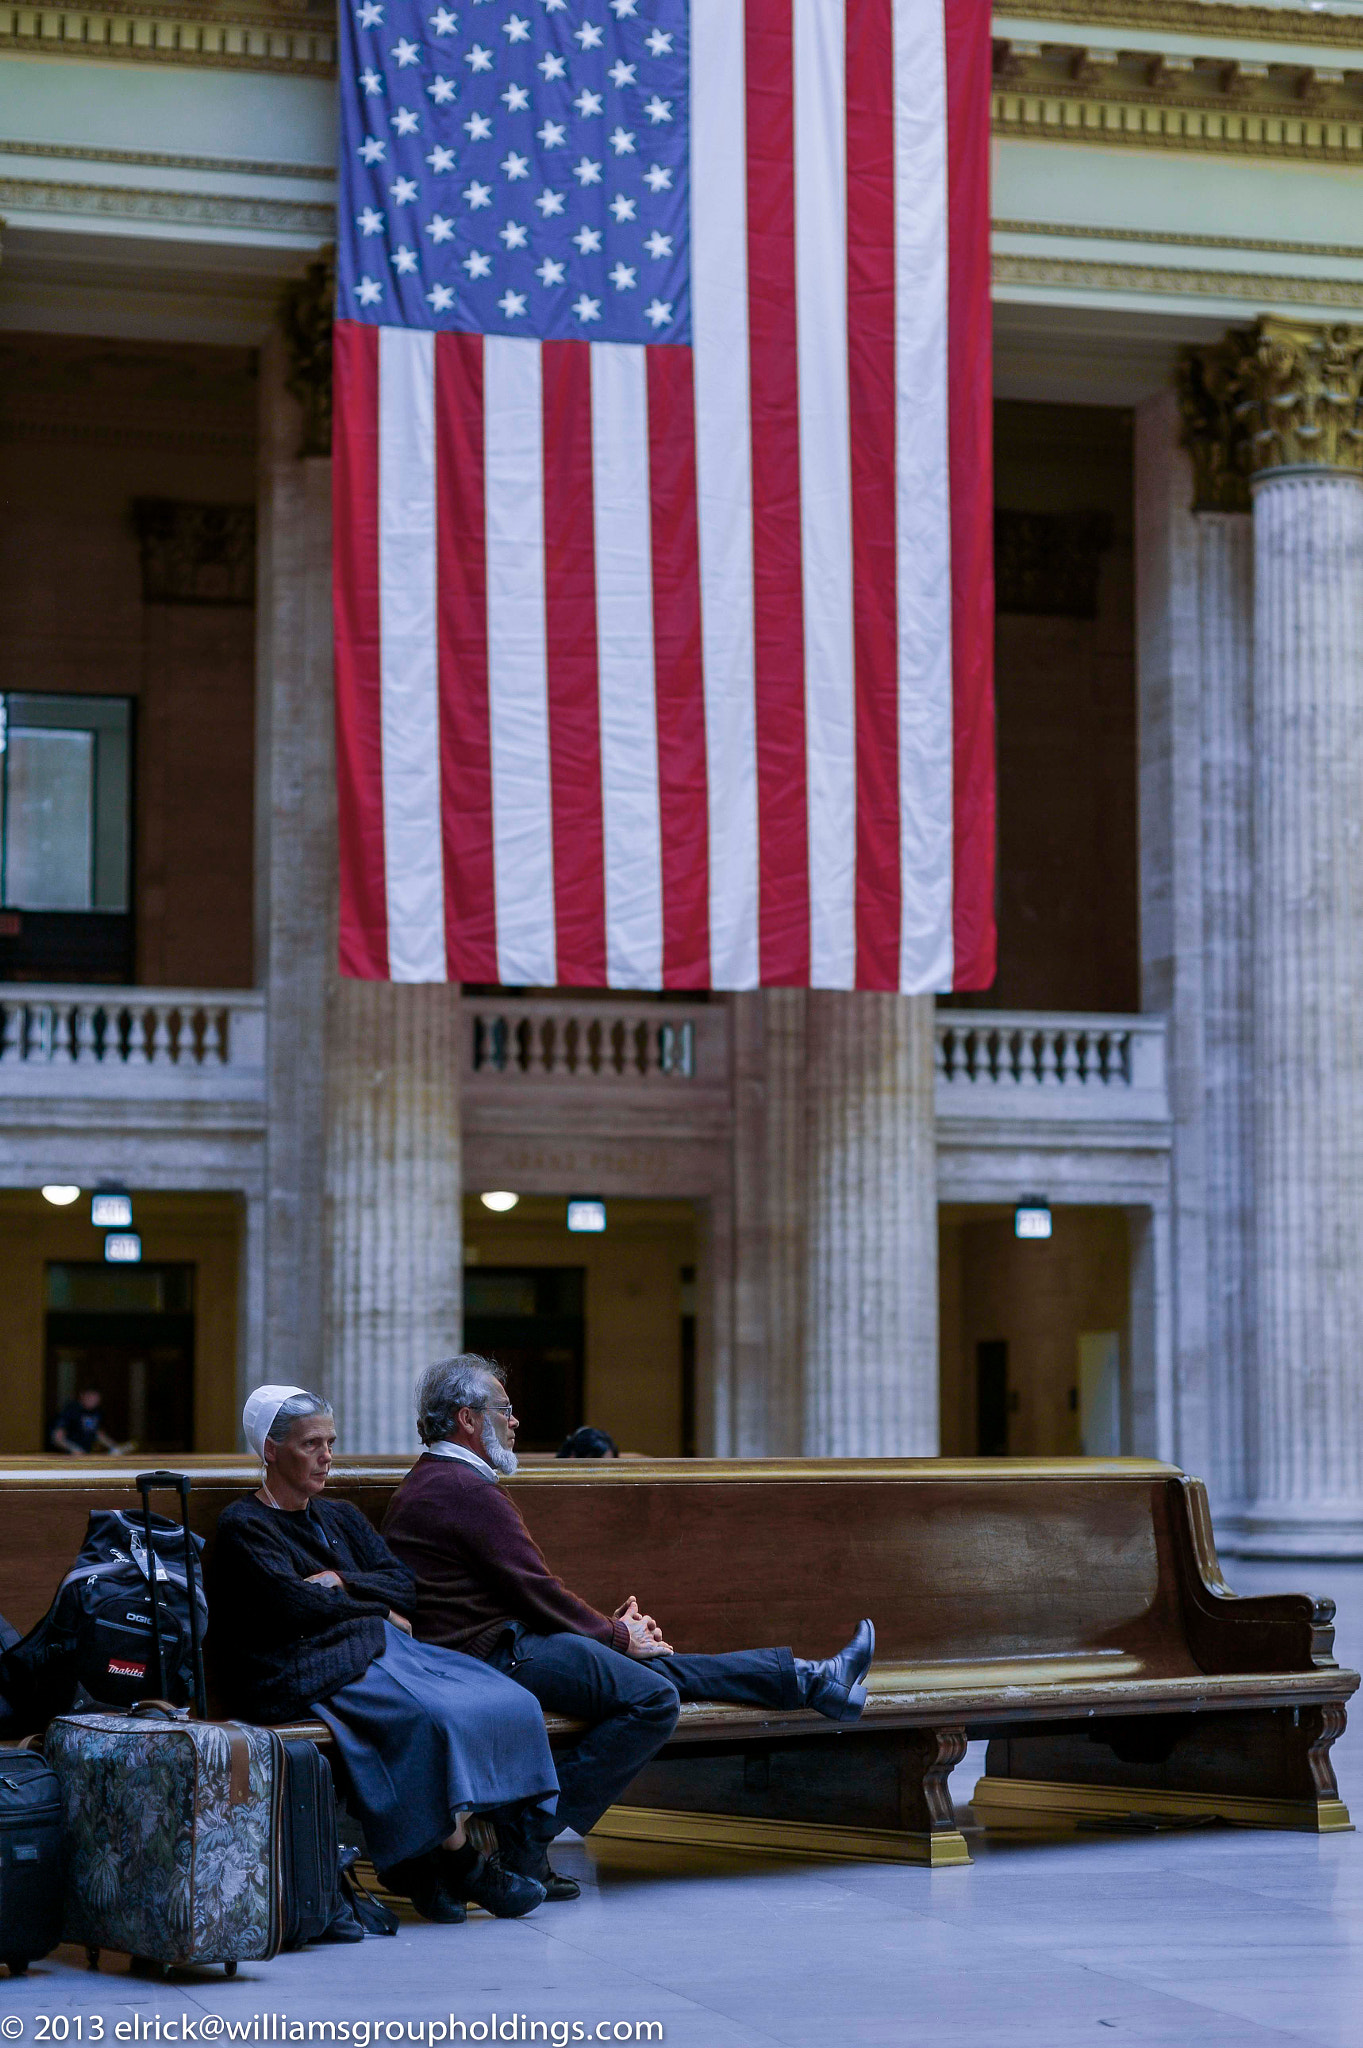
(1283, 394)
(306, 314)
(196, 554)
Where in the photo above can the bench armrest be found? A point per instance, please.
(1229, 1631)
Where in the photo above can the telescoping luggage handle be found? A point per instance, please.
(174, 1482)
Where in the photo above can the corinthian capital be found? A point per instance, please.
(1283, 394)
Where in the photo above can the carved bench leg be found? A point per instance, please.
(882, 1797)
(1265, 1769)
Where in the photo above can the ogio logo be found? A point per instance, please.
(141, 1620)
(123, 1667)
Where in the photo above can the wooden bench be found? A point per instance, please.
(1071, 1611)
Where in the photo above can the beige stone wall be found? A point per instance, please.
(202, 1230)
(1038, 1297)
(633, 1303)
(85, 427)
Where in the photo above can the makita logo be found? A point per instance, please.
(123, 1667)
(141, 1620)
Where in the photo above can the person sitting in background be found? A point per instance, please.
(588, 1443)
(79, 1429)
(483, 1586)
(310, 1616)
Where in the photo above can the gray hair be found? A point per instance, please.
(293, 1410)
(448, 1386)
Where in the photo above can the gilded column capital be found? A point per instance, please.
(1283, 394)
(305, 314)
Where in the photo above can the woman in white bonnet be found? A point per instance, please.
(310, 1612)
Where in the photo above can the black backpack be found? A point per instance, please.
(95, 1645)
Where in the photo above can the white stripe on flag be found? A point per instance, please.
(518, 690)
(624, 638)
(719, 322)
(409, 694)
(923, 499)
(819, 34)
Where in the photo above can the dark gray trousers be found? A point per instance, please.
(632, 1703)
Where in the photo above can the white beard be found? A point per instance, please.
(498, 1456)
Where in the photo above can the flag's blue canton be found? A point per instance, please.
(516, 167)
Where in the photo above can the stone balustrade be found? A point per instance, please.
(992, 1062)
(70, 1041)
(601, 1044)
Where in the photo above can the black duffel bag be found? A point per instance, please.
(30, 1859)
(96, 1645)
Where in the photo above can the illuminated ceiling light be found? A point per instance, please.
(60, 1196)
(499, 1201)
(1032, 1217)
(585, 1215)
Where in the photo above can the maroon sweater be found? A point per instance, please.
(476, 1565)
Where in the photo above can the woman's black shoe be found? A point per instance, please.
(485, 1882)
(528, 1859)
(422, 1880)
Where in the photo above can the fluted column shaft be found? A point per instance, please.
(870, 1312)
(393, 1236)
(1225, 557)
(1308, 1009)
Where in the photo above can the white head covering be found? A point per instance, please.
(257, 1417)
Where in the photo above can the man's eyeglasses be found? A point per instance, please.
(500, 1407)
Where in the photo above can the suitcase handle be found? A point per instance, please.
(165, 1710)
(176, 1482)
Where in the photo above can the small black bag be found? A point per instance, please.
(98, 1642)
(31, 1869)
(315, 1907)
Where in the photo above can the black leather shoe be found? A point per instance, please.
(504, 1893)
(834, 1686)
(528, 1859)
(421, 1880)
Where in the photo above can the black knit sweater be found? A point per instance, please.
(278, 1643)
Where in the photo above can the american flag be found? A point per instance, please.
(662, 493)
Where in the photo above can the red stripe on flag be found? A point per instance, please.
(871, 393)
(355, 602)
(970, 421)
(574, 708)
(461, 596)
(683, 792)
(778, 611)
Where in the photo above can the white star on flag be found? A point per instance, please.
(442, 90)
(587, 103)
(585, 308)
(440, 298)
(554, 6)
(512, 304)
(659, 312)
(516, 166)
(514, 235)
(478, 127)
(439, 228)
(622, 142)
(369, 291)
(403, 191)
(621, 74)
(624, 7)
(588, 240)
(622, 277)
(658, 110)
(371, 82)
(370, 15)
(405, 121)
(550, 203)
(373, 150)
(478, 195)
(406, 53)
(658, 245)
(551, 134)
(370, 222)
(479, 58)
(659, 43)
(589, 35)
(478, 265)
(444, 23)
(516, 98)
(658, 178)
(550, 271)
(586, 172)
(404, 260)
(516, 28)
(551, 66)
(622, 208)
(441, 158)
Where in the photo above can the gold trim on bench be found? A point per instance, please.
(1036, 1803)
(941, 1850)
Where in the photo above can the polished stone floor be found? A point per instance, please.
(1220, 1937)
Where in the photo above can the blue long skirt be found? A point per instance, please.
(425, 1734)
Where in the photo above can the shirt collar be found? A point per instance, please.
(445, 1449)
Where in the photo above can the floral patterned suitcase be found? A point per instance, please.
(174, 1836)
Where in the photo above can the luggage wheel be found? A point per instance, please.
(229, 1969)
(92, 1958)
(17, 1965)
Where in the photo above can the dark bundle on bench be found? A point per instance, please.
(1071, 1611)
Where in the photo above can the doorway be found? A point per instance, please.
(129, 1332)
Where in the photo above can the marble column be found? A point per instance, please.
(1300, 417)
(393, 1234)
(870, 1384)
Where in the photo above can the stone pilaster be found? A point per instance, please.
(870, 1313)
(393, 1235)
